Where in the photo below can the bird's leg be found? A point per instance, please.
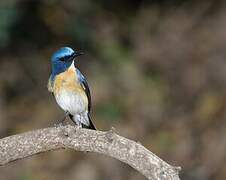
(60, 122)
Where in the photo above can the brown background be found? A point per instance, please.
(157, 72)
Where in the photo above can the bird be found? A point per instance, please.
(70, 87)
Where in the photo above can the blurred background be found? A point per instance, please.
(157, 72)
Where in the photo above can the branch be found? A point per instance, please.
(109, 143)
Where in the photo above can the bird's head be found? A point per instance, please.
(62, 59)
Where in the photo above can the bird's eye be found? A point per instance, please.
(62, 59)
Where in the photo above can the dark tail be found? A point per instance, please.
(91, 125)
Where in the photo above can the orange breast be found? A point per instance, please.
(68, 81)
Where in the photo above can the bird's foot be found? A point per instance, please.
(60, 124)
(79, 126)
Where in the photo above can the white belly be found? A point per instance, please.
(71, 101)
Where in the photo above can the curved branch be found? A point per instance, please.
(109, 143)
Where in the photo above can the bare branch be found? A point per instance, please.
(109, 143)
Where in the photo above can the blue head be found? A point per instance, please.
(62, 59)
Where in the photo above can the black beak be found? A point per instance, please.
(78, 53)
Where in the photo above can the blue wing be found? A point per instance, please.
(85, 86)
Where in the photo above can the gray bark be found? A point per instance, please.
(109, 143)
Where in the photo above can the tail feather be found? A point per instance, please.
(91, 125)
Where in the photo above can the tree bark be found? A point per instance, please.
(109, 143)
